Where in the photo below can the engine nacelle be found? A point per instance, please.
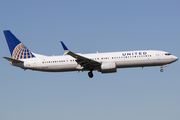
(108, 67)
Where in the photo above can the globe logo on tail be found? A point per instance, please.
(21, 52)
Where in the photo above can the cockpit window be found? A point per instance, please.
(167, 54)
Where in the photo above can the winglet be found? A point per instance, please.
(65, 48)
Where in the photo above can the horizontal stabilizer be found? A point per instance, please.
(13, 60)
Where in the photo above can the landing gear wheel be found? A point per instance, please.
(90, 74)
(161, 70)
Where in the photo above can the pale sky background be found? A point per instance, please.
(86, 27)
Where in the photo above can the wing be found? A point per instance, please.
(85, 62)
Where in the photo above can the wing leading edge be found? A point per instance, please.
(86, 63)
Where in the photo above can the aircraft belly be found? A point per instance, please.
(141, 63)
(57, 68)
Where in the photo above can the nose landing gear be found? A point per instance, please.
(163, 66)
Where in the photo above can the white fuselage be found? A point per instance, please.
(143, 58)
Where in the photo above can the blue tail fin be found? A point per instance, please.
(17, 49)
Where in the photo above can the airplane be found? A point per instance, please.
(108, 62)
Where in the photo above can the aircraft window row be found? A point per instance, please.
(131, 56)
(54, 61)
(105, 58)
(95, 58)
(72, 60)
(58, 61)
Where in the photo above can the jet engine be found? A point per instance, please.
(108, 67)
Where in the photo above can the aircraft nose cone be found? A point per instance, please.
(174, 58)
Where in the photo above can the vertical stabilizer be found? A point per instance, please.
(17, 49)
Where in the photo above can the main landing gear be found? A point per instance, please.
(90, 74)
